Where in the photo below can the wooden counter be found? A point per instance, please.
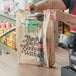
(10, 67)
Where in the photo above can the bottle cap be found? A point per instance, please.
(32, 9)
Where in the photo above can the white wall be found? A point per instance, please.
(1, 5)
(22, 3)
(33, 1)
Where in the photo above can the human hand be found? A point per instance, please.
(31, 8)
(56, 15)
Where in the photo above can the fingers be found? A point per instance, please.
(29, 8)
(55, 15)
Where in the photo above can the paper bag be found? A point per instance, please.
(37, 47)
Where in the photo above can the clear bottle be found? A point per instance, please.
(13, 8)
(31, 23)
(31, 28)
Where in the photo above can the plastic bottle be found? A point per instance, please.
(31, 26)
(31, 23)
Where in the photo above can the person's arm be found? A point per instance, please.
(50, 4)
(44, 5)
(68, 19)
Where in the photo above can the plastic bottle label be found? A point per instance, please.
(31, 25)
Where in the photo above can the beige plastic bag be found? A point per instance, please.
(27, 46)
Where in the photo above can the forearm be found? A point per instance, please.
(50, 4)
(69, 19)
